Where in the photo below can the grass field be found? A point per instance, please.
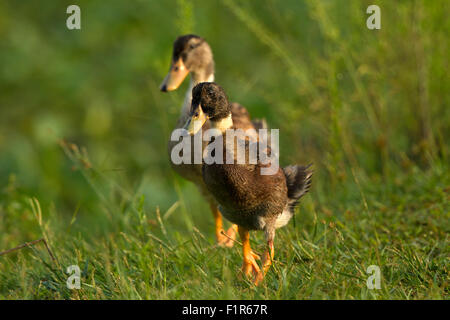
(84, 129)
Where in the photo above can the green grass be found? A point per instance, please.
(368, 108)
(141, 254)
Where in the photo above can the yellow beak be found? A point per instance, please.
(175, 77)
(196, 122)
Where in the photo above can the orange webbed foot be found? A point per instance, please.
(250, 268)
(266, 263)
(227, 239)
(224, 239)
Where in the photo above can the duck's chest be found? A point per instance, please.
(182, 158)
(185, 153)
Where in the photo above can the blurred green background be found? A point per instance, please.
(342, 95)
(367, 107)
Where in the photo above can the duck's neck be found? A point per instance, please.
(195, 79)
(222, 124)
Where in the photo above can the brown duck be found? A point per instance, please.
(192, 55)
(246, 197)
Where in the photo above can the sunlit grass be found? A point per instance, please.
(84, 163)
(145, 254)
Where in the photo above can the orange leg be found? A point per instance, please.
(222, 240)
(250, 266)
(266, 262)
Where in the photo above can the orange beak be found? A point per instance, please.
(196, 121)
(175, 77)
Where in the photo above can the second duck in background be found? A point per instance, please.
(192, 55)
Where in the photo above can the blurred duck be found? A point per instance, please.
(192, 55)
(246, 197)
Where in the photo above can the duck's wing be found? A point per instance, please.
(260, 124)
(241, 118)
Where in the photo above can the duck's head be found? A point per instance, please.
(209, 102)
(191, 54)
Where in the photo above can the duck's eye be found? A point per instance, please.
(176, 68)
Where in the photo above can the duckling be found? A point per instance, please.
(246, 197)
(193, 55)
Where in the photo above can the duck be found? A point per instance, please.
(192, 55)
(246, 197)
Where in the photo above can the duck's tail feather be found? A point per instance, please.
(298, 180)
